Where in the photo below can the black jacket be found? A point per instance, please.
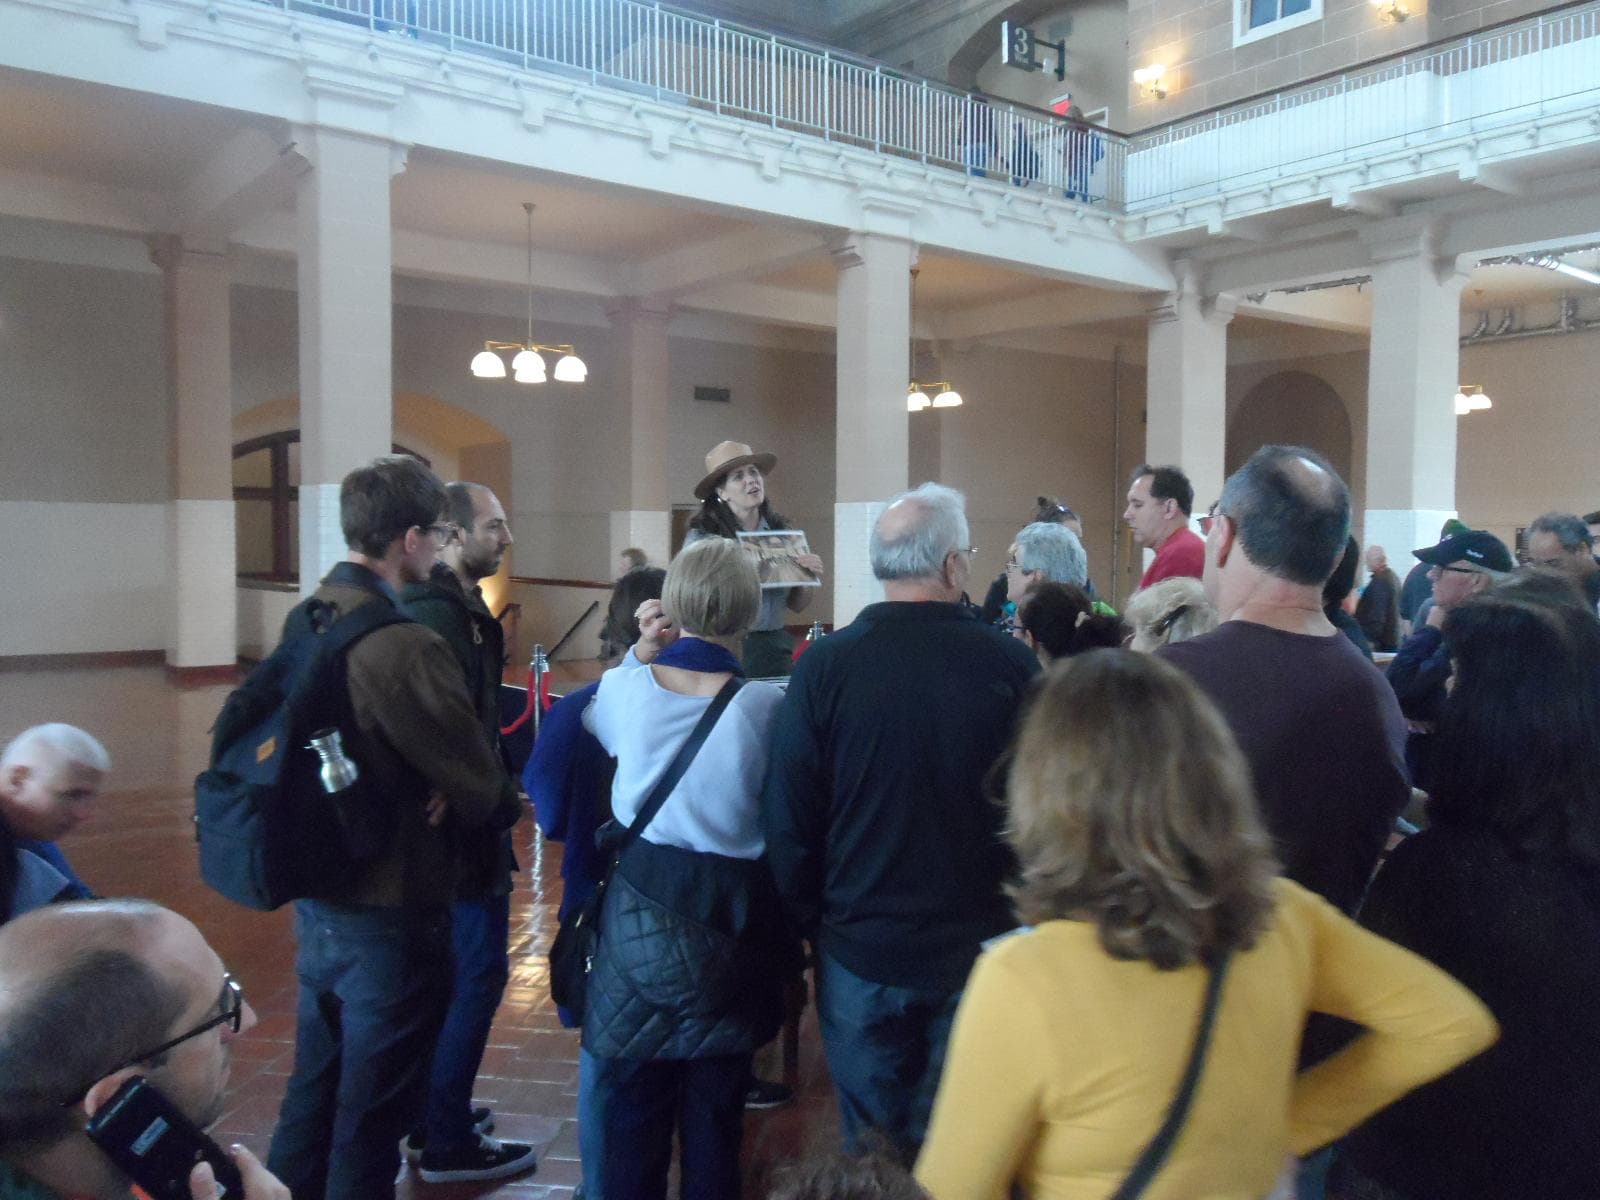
(478, 643)
(884, 841)
(691, 959)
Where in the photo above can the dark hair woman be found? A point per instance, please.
(1337, 590)
(733, 500)
(1059, 620)
(1503, 891)
(1143, 869)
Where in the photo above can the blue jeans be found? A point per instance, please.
(374, 983)
(636, 1104)
(591, 1124)
(885, 1049)
(479, 932)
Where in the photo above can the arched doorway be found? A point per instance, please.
(1291, 408)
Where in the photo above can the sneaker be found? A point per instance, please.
(490, 1158)
(413, 1144)
(766, 1093)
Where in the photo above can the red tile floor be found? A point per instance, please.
(140, 843)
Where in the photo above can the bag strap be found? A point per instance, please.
(1155, 1154)
(680, 764)
(348, 629)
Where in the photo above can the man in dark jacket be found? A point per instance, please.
(882, 837)
(374, 961)
(1378, 610)
(454, 1144)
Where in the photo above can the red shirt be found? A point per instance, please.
(1184, 553)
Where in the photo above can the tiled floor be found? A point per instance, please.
(140, 843)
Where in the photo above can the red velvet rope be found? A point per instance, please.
(543, 700)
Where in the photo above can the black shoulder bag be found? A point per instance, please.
(572, 952)
(1155, 1154)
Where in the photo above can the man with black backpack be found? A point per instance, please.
(452, 1143)
(373, 955)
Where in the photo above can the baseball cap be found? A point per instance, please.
(1475, 546)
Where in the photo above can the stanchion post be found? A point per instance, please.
(538, 666)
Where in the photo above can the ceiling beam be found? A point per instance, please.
(732, 258)
(249, 174)
(1053, 310)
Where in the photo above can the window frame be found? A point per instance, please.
(1243, 35)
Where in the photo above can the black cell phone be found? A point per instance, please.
(155, 1145)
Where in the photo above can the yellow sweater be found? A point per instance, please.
(1063, 1060)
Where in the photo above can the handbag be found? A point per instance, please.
(572, 952)
(1155, 1154)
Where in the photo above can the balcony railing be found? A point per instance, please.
(1470, 85)
(1497, 78)
(678, 57)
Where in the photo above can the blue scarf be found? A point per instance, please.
(691, 654)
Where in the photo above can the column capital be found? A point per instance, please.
(170, 251)
(1179, 306)
(854, 248)
(639, 309)
(350, 99)
(311, 143)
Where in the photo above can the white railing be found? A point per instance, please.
(1472, 85)
(677, 57)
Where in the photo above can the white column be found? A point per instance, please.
(1411, 385)
(872, 449)
(202, 624)
(645, 520)
(346, 328)
(1186, 389)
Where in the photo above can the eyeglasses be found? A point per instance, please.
(1013, 565)
(230, 1012)
(441, 533)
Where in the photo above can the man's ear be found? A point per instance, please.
(1225, 532)
(103, 1089)
(18, 775)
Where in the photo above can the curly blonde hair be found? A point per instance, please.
(1130, 806)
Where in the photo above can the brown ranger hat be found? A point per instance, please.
(730, 456)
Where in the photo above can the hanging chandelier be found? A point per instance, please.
(527, 362)
(923, 395)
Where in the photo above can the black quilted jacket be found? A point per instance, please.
(691, 959)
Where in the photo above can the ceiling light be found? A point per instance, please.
(528, 365)
(1151, 81)
(916, 399)
(949, 398)
(486, 364)
(1471, 398)
(923, 395)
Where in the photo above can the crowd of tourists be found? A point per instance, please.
(1274, 882)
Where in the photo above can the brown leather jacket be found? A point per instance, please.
(420, 735)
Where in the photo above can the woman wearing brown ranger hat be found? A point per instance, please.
(733, 499)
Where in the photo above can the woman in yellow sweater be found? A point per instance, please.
(1142, 862)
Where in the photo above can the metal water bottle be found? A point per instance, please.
(338, 771)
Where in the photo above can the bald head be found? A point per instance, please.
(917, 531)
(1291, 512)
(83, 987)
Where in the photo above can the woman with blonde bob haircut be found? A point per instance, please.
(1145, 873)
(685, 982)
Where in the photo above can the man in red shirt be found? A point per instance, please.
(1159, 502)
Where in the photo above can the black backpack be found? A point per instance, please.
(268, 831)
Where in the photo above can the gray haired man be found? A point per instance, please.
(885, 848)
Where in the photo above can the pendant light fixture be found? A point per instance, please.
(1472, 398)
(527, 364)
(920, 396)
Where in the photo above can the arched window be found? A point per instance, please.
(266, 495)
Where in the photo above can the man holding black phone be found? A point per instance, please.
(117, 1008)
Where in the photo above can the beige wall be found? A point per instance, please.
(83, 389)
(1194, 40)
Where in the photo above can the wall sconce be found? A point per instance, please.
(1472, 398)
(1391, 11)
(1151, 82)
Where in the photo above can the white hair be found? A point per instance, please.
(60, 745)
(919, 549)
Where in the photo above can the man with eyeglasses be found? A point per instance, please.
(97, 992)
(374, 961)
(453, 1144)
(1459, 567)
(883, 841)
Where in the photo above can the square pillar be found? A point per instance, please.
(1411, 385)
(346, 327)
(202, 624)
(872, 449)
(645, 517)
(1186, 390)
